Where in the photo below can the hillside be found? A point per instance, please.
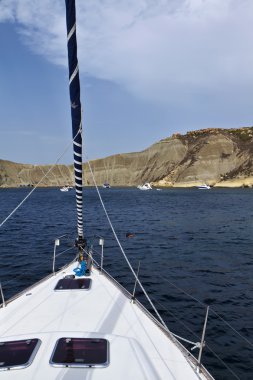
(219, 157)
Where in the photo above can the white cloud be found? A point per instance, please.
(166, 51)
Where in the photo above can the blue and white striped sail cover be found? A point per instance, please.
(76, 110)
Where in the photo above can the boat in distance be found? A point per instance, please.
(146, 186)
(79, 322)
(66, 188)
(204, 187)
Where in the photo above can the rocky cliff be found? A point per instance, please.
(219, 157)
(18, 175)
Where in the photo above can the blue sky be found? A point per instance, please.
(149, 68)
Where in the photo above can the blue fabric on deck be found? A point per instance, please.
(80, 270)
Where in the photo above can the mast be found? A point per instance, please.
(76, 113)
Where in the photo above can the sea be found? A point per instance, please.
(194, 249)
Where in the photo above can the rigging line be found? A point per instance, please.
(179, 320)
(36, 186)
(177, 336)
(19, 276)
(131, 268)
(66, 250)
(188, 341)
(222, 361)
(96, 252)
(228, 324)
(122, 250)
(51, 173)
(211, 309)
(183, 291)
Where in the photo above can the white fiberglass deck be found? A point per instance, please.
(138, 348)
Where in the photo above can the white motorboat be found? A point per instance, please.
(204, 187)
(66, 188)
(79, 323)
(106, 185)
(146, 186)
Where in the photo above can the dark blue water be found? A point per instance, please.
(197, 241)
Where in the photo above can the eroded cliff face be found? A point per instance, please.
(133, 169)
(219, 157)
(18, 175)
(207, 160)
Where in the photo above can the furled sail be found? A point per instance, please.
(76, 109)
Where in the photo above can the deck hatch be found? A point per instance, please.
(73, 284)
(80, 352)
(18, 353)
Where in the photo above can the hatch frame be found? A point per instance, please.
(99, 364)
(31, 357)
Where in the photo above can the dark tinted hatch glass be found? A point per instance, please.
(81, 352)
(70, 283)
(19, 353)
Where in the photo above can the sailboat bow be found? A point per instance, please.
(79, 322)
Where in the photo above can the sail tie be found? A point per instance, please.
(72, 31)
(70, 81)
(76, 144)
